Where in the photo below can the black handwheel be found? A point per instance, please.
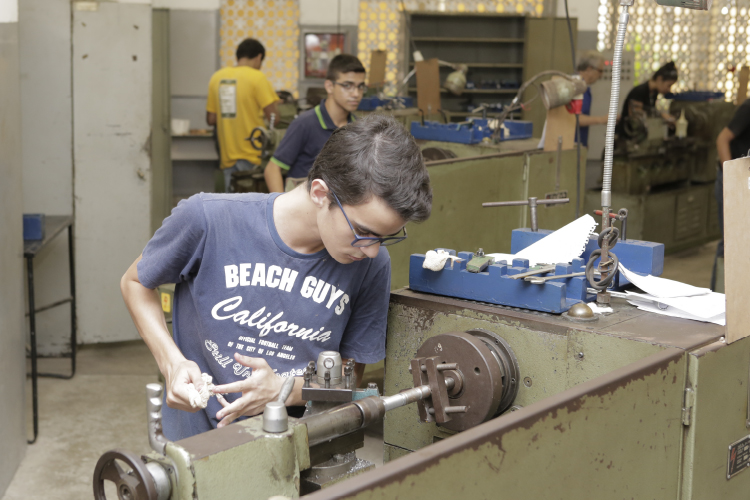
(134, 484)
(258, 139)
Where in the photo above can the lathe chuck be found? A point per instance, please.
(485, 379)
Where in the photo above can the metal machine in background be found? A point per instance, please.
(667, 183)
(471, 174)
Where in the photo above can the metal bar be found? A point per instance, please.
(54, 304)
(557, 172)
(333, 423)
(526, 202)
(32, 327)
(542, 270)
(542, 279)
(73, 318)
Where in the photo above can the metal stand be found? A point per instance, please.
(54, 225)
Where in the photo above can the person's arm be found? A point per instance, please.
(286, 154)
(269, 110)
(212, 105)
(669, 118)
(145, 309)
(274, 180)
(722, 145)
(588, 120)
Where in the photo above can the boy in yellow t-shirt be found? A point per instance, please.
(238, 99)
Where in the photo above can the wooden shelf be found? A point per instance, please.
(476, 91)
(466, 39)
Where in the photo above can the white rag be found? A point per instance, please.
(435, 261)
(199, 399)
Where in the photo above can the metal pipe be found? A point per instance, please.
(32, 337)
(350, 417)
(335, 422)
(556, 201)
(614, 101)
(406, 397)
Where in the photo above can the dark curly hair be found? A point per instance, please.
(375, 156)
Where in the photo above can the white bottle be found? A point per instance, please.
(682, 126)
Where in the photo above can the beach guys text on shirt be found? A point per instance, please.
(284, 279)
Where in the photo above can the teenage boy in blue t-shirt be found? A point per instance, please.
(295, 154)
(265, 282)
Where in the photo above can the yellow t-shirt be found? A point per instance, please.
(238, 95)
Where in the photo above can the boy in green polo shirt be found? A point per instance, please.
(294, 157)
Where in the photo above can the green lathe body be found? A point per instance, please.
(634, 405)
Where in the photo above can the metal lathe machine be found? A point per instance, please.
(486, 401)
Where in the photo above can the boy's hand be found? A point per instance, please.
(178, 376)
(262, 387)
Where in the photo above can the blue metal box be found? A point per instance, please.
(33, 227)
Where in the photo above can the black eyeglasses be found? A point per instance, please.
(349, 86)
(366, 241)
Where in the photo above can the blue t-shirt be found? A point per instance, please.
(304, 139)
(241, 289)
(585, 110)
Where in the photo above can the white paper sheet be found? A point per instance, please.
(701, 306)
(562, 246)
(662, 287)
(671, 311)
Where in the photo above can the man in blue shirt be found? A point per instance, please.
(294, 156)
(590, 68)
(265, 282)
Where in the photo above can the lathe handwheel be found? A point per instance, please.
(258, 139)
(134, 484)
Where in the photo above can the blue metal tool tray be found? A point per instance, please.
(496, 286)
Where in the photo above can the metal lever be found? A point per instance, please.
(532, 202)
(156, 437)
(541, 270)
(537, 280)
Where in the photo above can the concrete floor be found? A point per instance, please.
(103, 407)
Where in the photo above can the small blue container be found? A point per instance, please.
(472, 133)
(517, 129)
(33, 227)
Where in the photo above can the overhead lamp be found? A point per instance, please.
(560, 91)
(455, 82)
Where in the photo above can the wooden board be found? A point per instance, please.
(377, 68)
(428, 86)
(737, 247)
(560, 123)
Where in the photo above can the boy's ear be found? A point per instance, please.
(319, 193)
(329, 85)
